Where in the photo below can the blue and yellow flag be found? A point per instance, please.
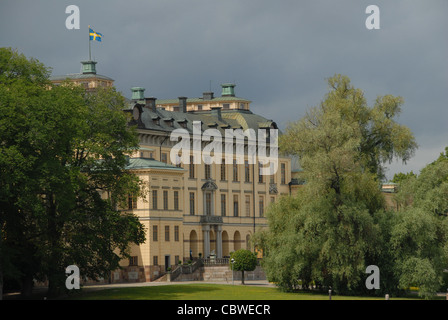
(95, 35)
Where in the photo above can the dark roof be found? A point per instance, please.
(233, 119)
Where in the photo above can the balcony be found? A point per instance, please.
(211, 220)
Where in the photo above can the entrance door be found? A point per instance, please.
(167, 262)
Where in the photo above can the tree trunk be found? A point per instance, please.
(242, 277)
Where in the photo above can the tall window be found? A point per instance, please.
(132, 201)
(208, 203)
(191, 167)
(155, 260)
(283, 173)
(207, 169)
(164, 157)
(176, 200)
(165, 200)
(192, 203)
(261, 206)
(223, 169)
(235, 171)
(223, 205)
(176, 234)
(155, 235)
(154, 199)
(133, 261)
(247, 206)
(246, 171)
(260, 170)
(235, 206)
(167, 233)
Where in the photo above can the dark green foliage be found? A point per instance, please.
(60, 150)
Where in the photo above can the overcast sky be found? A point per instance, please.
(279, 53)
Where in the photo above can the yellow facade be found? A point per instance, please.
(182, 225)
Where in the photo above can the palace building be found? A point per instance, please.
(193, 210)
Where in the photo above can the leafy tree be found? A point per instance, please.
(62, 157)
(419, 235)
(400, 177)
(244, 260)
(330, 231)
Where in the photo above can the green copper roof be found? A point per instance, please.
(149, 163)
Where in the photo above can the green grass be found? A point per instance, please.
(204, 292)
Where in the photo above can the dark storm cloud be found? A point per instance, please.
(279, 53)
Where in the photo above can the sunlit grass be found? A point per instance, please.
(206, 292)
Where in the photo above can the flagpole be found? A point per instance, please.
(90, 54)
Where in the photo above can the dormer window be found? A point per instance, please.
(182, 123)
(156, 120)
(169, 121)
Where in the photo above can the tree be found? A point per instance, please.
(330, 231)
(419, 235)
(65, 154)
(400, 177)
(243, 260)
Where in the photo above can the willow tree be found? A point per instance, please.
(329, 233)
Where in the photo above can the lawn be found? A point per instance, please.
(204, 292)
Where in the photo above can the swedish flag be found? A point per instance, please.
(95, 35)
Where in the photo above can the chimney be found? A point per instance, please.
(138, 93)
(183, 104)
(216, 112)
(151, 103)
(207, 95)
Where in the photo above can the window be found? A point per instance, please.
(207, 169)
(155, 234)
(176, 236)
(191, 167)
(235, 171)
(132, 201)
(246, 171)
(223, 205)
(165, 200)
(192, 203)
(208, 203)
(199, 107)
(155, 260)
(283, 173)
(261, 206)
(176, 200)
(133, 261)
(154, 199)
(167, 233)
(226, 105)
(164, 157)
(235, 206)
(260, 170)
(223, 169)
(247, 206)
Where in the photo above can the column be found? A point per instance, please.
(206, 231)
(219, 241)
